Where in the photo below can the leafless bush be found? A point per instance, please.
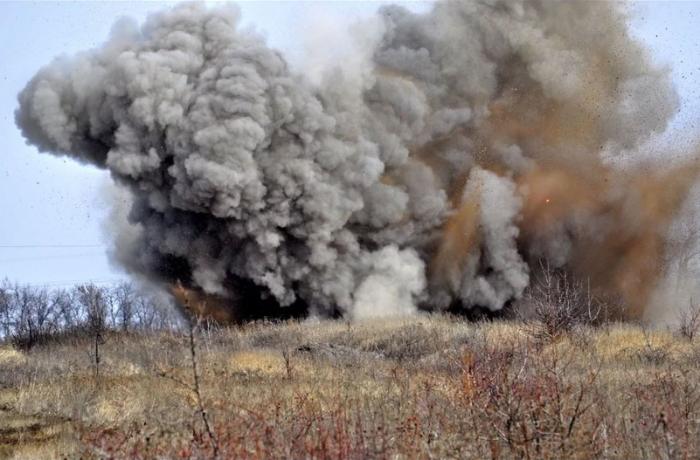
(689, 321)
(558, 303)
(531, 414)
(124, 300)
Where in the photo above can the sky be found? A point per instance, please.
(52, 210)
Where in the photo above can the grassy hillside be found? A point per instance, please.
(416, 388)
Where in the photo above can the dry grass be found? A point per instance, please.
(412, 388)
(10, 356)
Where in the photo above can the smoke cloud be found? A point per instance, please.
(459, 149)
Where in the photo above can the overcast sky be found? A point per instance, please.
(52, 209)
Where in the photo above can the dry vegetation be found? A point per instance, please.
(431, 386)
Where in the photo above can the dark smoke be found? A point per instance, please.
(469, 144)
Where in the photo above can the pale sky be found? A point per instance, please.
(52, 209)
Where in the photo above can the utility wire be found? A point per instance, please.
(17, 246)
(75, 282)
(78, 282)
(57, 256)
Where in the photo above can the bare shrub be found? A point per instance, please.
(651, 353)
(689, 321)
(558, 303)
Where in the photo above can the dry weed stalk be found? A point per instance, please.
(193, 326)
(288, 366)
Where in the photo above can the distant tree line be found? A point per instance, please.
(31, 314)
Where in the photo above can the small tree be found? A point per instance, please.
(124, 299)
(66, 314)
(145, 312)
(689, 321)
(93, 300)
(31, 318)
(6, 307)
(558, 303)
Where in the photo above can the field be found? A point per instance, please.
(425, 387)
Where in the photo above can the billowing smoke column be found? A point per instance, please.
(473, 143)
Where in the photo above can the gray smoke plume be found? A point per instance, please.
(466, 145)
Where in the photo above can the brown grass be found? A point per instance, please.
(413, 388)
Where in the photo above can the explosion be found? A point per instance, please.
(462, 148)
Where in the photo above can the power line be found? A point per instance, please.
(75, 282)
(57, 256)
(18, 246)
